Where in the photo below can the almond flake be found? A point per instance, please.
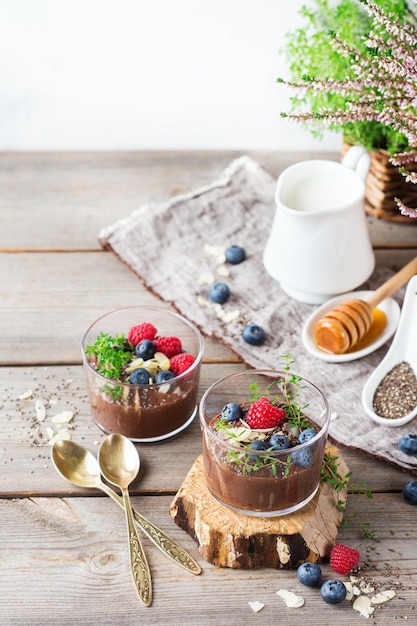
(383, 596)
(26, 394)
(63, 418)
(206, 279)
(231, 316)
(223, 271)
(362, 605)
(256, 606)
(40, 410)
(63, 435)
(291, 599)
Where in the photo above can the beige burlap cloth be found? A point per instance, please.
(171, 245)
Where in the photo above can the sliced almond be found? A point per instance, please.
(134, 365)
(26, 395)
(40, 410)
(256, 606)
(206, 279)
(383, 596)
(290, 598)
(62, 418)
(162, 360)
(223, 271)
(362, 605)
(63, 435)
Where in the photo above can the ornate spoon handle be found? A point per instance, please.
(166, 544)
(138, 563)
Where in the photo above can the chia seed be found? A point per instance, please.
(396, 394)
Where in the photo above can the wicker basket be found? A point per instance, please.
(383, 184)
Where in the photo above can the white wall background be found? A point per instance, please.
(146, 74)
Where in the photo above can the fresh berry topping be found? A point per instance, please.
(306, 435)
(232, 412)
(343, 559)
(140, 377)
(303, 458)
(170, 346)
(408, 444)
(410, 492)
(309, 574)
(163, 375)
(263, 414)
(259, 446)
(145, 349)
(235, 255)
(333, 591)
(253, 334)
(219, 292)
(181, 363)
(279, 442)
(142, 331)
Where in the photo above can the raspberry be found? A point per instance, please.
(140, 332)
(343, 559)
(170, 346)
(181, 362)
(263, 414)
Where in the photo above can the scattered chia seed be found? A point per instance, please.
(396, 394)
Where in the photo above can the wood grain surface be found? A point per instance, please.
(64, 550)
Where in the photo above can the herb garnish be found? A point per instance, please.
(111, 355)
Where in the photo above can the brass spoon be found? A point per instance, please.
(81, 468)
(346, 324)
(119, 464)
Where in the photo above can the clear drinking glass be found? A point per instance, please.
(149, 412)
(264, 483)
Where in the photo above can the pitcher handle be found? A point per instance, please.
(357, 158)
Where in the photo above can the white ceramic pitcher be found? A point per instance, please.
(319, 245)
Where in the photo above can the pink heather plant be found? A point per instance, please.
(384, 88)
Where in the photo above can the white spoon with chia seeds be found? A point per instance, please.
(391, 389)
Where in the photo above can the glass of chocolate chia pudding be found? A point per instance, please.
(264, 434)
(142, 368)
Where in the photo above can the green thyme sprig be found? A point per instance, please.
(330, 474)
(111, 355)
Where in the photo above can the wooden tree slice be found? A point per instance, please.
(229, 539)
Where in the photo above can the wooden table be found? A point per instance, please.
(64, 553)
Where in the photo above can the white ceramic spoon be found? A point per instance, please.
(403, 348)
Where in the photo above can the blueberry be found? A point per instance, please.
(235, 255)
(140, 377)
(410, 492)
(303, 458)
(219, 292)
(333, 591)
(253, 334)
(306, 435)
(257, 445)
(145, 349)
(279, 442)
(162, 377)
(309, 574)
(232, 412)
(408, 444)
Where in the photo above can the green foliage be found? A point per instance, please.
(310, 56)
(110, 355)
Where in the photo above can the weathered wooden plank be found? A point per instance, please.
(25, 462)
(74, 569)
(50, 299)
(74, 195)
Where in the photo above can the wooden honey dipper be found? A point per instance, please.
(346, 324)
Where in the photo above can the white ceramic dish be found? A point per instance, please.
(403, 348)
(388, 306)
